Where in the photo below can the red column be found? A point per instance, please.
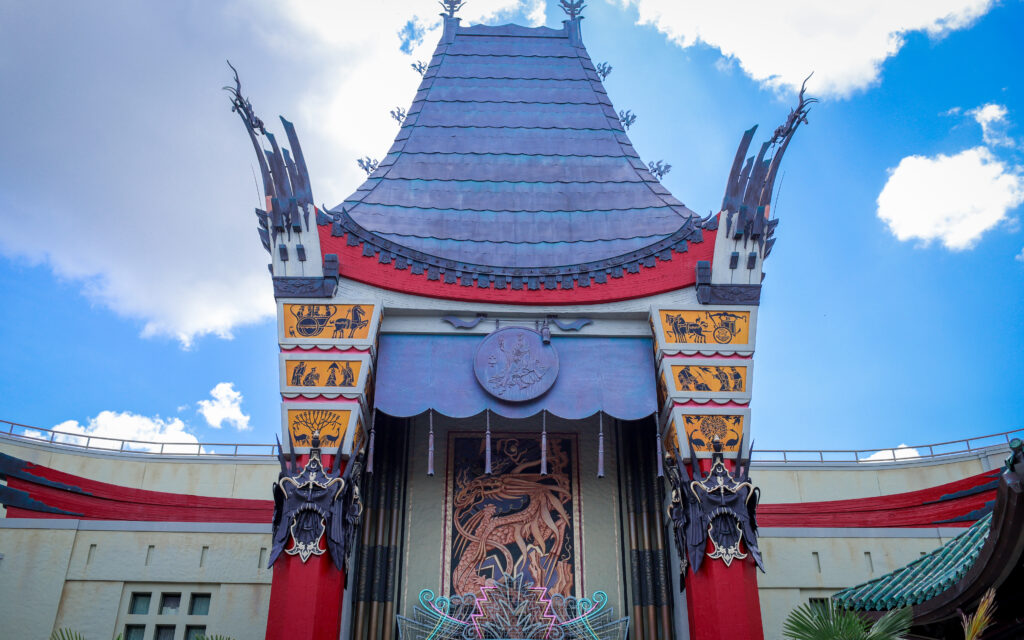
(722, 602)
(306, 597)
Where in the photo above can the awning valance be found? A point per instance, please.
(420, 372)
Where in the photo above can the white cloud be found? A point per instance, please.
(994, 123)
(128, 426)
(779, 43)
(951, 199)
(226, 406)
(1020, 256)
(901, 452)
(123, 169)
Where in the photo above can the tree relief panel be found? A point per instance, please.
(329, 424)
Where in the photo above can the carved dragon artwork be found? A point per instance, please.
(514, 520)
(720, 506)
(313, 503)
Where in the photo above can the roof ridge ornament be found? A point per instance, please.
(451, 6)
(748, 194)
(573, 8)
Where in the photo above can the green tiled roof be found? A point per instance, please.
(922, 579)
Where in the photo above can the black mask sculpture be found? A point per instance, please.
(721, 506)
(313, 501)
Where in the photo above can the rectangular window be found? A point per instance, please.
(140, 604)
(193, 633)
(134, 632)
(199, 605)
(164, 632)
(170, 603)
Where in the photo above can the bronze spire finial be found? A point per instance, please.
(450, 6)
(573, 8)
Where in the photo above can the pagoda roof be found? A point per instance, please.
(989, 554)
(512, 164)
(923, 578)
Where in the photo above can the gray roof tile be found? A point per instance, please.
(512, 155)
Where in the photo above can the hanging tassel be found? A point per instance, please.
(487, 445)
(600, 445)
(544, 443)
(430, 446)
(661, 464)
(373, 435)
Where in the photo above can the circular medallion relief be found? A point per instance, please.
(515, 365)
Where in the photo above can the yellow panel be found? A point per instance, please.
(695, 377)
(697, 327)
(671, 437)
(322, 373)
(330, 423)
(338, 321)
(703, 428)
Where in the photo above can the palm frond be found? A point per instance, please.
(823, 621)
(892, 625)
(976, 624)
(66, 634)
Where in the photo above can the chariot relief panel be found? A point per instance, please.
(706, 327)
(514, 521)
(330, 321)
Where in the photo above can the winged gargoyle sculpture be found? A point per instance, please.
(720, 506)
(314, 502)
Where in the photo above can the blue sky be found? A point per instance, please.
(134, 287)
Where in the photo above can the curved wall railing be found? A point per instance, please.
(915, 453)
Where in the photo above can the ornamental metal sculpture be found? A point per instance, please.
(748, 192)
(512, 608)
(313, 503)
(573, 8)
(627, 118)
(720, 507)
(286, 186)
(450, 7)
(659, 169)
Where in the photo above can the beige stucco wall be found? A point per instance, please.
(794, 574)
(48, 581)
(811, 482)
(216, 476)
(56, 578)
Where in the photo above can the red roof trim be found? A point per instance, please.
(665, 276)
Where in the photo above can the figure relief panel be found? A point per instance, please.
(322, 373)
(724, 379)
(514, 521)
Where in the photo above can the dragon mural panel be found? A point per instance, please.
(514, 521)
